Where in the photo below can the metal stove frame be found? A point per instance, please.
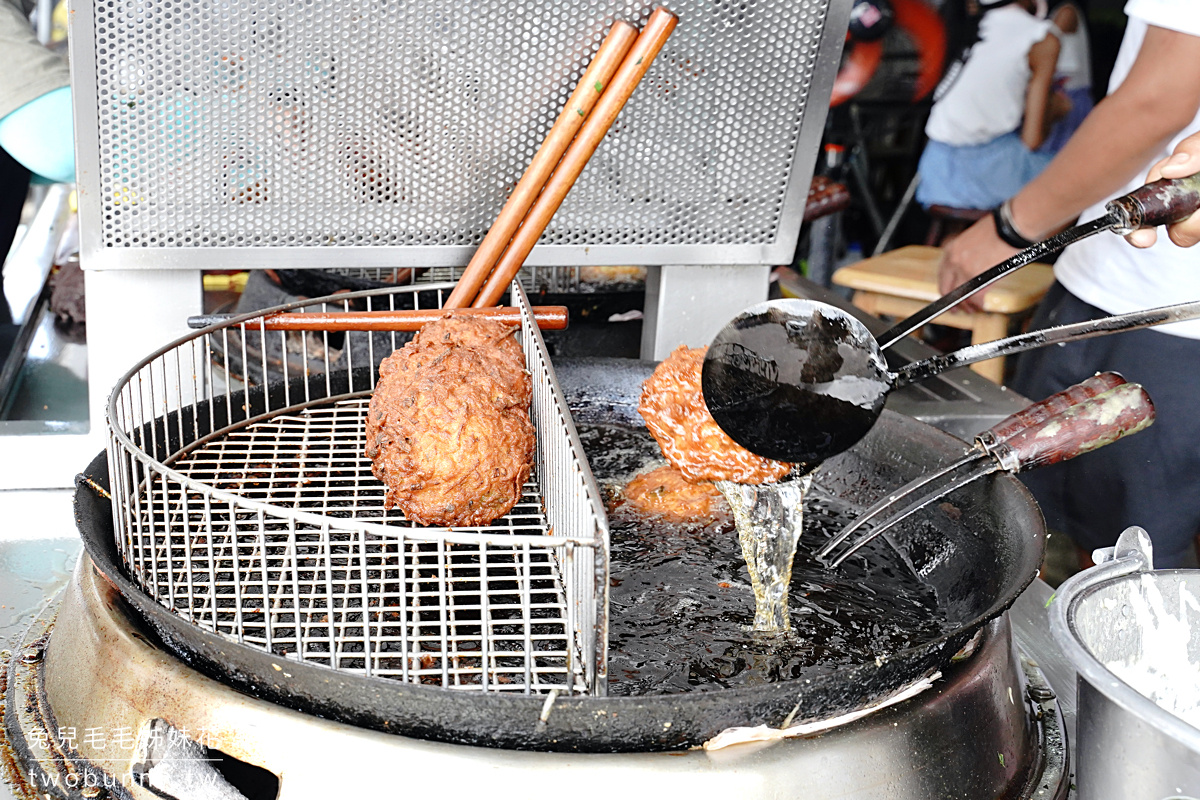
(51, 676)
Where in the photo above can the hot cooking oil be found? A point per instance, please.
(681, 604)
(769, 520)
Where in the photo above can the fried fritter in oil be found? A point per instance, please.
(448, 430)
(664, 491)
(672, 404)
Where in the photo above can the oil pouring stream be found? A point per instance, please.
(769, 519)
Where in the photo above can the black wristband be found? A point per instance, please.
(1005, 229)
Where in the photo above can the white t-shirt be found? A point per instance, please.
(987, 99)
(1105, 270)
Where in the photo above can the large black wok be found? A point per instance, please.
(978, 554)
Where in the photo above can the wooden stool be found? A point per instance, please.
(899, 283)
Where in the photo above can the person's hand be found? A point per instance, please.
(975, 250)
(1183, 162)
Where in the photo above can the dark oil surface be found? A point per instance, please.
(680, 600)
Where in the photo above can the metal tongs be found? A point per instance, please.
(1081, 418)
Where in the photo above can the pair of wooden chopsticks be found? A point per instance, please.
(620, 63)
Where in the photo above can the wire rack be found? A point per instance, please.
(243, 501)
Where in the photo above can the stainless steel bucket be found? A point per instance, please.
(1121, 618)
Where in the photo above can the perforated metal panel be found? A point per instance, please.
(387, 133)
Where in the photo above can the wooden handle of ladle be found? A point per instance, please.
(595, 78)
(632, 69)
(1163, 202)
(549, 318)
(1094, 423)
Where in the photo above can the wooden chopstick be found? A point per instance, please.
(630, 73)
(595, 78)
(549, 318)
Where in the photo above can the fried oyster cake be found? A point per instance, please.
(672, 404)
(448, 428)
(665, 492)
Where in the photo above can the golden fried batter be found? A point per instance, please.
(448, 429)
(672, 404)
(666, 492)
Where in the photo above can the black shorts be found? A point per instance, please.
(1152, 478)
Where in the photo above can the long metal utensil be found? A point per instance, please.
(984, 445)
(1160, 203)
(548, 318)
(1084, 426)
(1089, 329)
(801, 381)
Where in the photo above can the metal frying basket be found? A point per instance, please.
(242, 501)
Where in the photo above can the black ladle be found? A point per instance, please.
(801, 381)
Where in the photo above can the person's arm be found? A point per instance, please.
(1157, 99)
(1043, 58)
(1183, 162)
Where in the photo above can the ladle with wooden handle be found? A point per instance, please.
(1162, 202)
(801, 381)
